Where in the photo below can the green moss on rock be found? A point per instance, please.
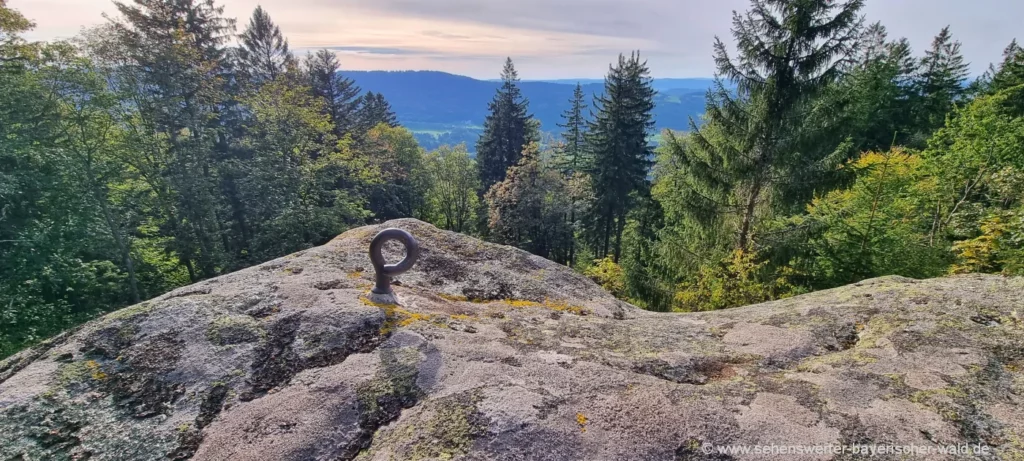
(235, 329)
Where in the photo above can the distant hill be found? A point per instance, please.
(443, 108)
(660, 84)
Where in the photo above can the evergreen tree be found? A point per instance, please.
(506, 129)
(941, 80)
(263, 54)
(573, 158)
(642, 267)
(374, 110)
(621, 154)
(573, 155)
(1010, 72)
(340, 94)
(760, 147)
(876, 96)
(174, 55)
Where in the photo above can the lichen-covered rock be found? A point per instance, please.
(497, 354)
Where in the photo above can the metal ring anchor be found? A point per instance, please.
(386, 272)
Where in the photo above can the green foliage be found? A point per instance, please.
(263, 55)
(737, 280)
(339, 94)
(643, 265)
(451, 198)
(607, 273)
(765, 148)
(506, 130)
(573, 156)
(999, 248)
(374, 110)
(878, 226)
(289, 185)
(56, 145)
(1010, 72)
(617, 140)
(529, 207)
(148, 155)
(404, 181)
(940, 83)
(877, 98)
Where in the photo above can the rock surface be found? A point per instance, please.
(497, 354)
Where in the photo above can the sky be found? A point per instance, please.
(548, 39)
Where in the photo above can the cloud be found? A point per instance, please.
(377, 50)
(550, 38)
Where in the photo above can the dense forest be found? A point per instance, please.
(171, 145)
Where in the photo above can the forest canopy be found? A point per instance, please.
(173, 144)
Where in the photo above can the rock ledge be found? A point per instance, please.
(497, 354)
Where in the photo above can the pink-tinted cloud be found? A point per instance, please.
(547, 38)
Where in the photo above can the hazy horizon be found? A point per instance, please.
(548, 39)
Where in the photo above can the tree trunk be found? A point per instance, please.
(115, 231)
(748, 216)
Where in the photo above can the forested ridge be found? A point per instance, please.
(171, 145)
(441, 108)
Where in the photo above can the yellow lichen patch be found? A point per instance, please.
(77, 372)
(461, 317)
(95, 370)
(559, 306)
(355, 274)
(458, 298)
(562, 306)
(1014, 448)
(411, 317)
(522, 303)
(582, 420)
(370, 302)
(876, 329)
(395, 315)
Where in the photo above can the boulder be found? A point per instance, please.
(495, 354)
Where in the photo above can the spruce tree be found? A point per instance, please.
(374, 110)
(339, 94)
(573, 155)
(176, 61)
(263, 54)
(1010, 72)
(759, 149)
(573, 158)
(621, 153)
(506, 129)
(876, 95)
(940, 82)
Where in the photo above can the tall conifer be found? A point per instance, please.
(759, 148)
(573, 155)
(941, 81)
(506, 129)
(263, 54)
(339, 94)
(1010, 72)
(176, 60)
(621, 153)
(374, 110)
